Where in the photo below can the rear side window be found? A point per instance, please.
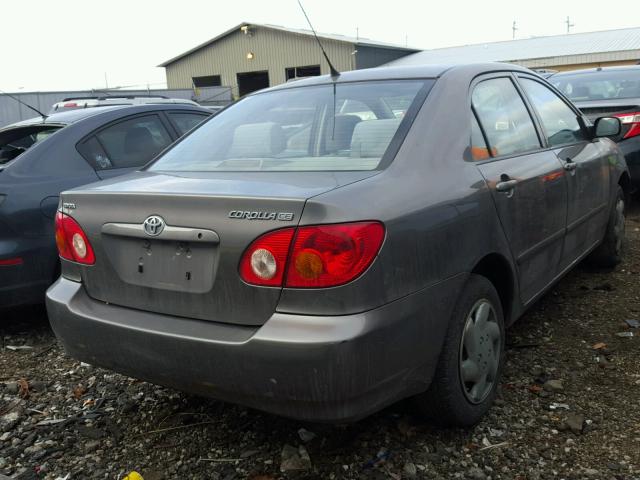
(504, 117)
(93, 153)
(127, 144)
(184, 121)
(559, 121)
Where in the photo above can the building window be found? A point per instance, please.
(207, 81)
(299, 72)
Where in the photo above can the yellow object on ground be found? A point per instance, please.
(133, 476)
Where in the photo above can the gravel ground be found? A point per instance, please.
(568, 409)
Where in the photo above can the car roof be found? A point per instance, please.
(67, 117)
(72, 116)
(619, 68)
(401, 72)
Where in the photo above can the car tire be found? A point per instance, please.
(609, 253)
(473, 350)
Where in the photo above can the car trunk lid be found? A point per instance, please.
(607, 108)
(604, 108)
(189, 267)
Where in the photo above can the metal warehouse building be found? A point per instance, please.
(558, 52)
(252, 56)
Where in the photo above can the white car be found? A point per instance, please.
(74, 103)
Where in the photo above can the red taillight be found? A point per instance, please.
(70, 105)
(72, 242)
(632, 120)
(264, 262)
(320, 256)
(11, 262)
(331, 255)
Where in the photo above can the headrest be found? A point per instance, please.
(579, 92)
(340, 134)
(257, 140)
(372, 137)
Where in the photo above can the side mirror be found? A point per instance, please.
(607, 127)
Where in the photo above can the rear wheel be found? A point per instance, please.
(470, 364)
(609, 253)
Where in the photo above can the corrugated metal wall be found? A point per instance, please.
(572, 62)
(11, 111)
(273, 51)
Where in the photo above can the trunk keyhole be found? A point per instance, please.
(140, 266)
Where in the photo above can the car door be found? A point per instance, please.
(585, 163)
(525, 180)
(125, 145)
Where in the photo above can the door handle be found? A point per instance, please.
(569, 165)
(506, 186)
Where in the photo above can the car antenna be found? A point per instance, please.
(44, 117)
(332, 69)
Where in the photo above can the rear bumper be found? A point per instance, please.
(26, 282)
(334, 369)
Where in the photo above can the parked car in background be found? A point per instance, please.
(43, 156)
(326, 247)
(545, 72)
(611, 91)
(74, 103)
(213, 108)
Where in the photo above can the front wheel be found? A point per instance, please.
(609, 253)
(468, 372)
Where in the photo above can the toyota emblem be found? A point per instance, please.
(153, 225)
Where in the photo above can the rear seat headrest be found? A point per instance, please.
(341, 132)
(257, 140)
(372, 137)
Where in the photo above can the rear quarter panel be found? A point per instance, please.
(439, 216)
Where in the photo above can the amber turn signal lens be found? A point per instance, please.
(309, 264)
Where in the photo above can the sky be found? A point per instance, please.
(82, 44)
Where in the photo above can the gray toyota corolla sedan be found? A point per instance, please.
(324, 248)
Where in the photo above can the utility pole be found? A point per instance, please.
(569, 24)
(106, 83)
(513, 30)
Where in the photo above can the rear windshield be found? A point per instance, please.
(345, 126)
(601, 85)
(16, 141)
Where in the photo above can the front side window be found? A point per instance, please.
(127, 144)
(504, 117)
(559, 121)
(348, 126)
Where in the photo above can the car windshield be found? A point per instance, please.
(346, 126)
(15, 141)
(600, 85)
